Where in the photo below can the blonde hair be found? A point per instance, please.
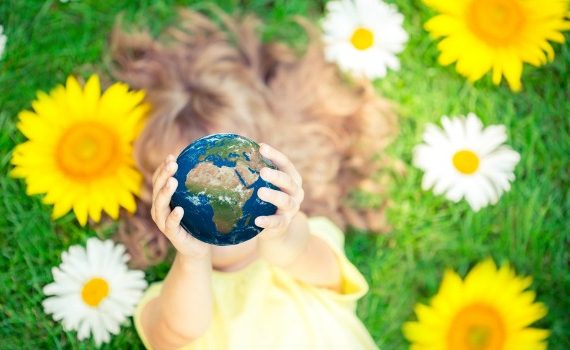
(203, 78)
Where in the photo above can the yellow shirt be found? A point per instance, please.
(261, 307)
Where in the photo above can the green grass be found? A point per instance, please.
(528, 227)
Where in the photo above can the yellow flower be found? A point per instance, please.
(79, 148)
(497, 35)
(489, 310)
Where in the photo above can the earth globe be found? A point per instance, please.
(218, 178)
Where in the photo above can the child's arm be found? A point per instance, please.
(183, 310)
(285, 240)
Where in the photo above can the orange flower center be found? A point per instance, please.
(362, 38)
(497, 22)
(88, 150)
(466, 162)
(94, 291)
(476, 327)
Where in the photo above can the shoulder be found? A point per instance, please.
(353, 284)
(325, 229)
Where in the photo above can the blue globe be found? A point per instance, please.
(218, 178)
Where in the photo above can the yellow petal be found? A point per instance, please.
(95, 205)
(513, 72)
(60, 208)
(528, 339)
(74, 98)
(47, 108)
(127, 201)
(31, 125)
(92, 93)
(80, 210)
(443, 25)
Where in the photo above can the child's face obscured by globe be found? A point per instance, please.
(230, 257)
(234, 257)
(218, 178)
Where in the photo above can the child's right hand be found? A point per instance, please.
(168, 221)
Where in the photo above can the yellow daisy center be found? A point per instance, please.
(497, 22)
(94, 291)
(362, 38)
(466, 161)
(476, 327)
(87, 150)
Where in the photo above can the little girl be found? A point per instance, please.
(290, 287)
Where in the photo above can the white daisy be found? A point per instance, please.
(363, 36)
(3, 40)
(465, 160)
(93, 291)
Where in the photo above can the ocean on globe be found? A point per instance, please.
(218, 178)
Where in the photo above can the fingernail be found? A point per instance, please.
(179, 211)
(259, 221)
(264, 173)
(171, 182)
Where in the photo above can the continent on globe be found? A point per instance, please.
(214, 182)
(218, 178)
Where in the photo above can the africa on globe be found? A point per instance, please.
(218, 178)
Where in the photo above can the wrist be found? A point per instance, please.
(286, 249)
(194, 262)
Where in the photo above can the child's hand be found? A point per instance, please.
(168, 221)
(287, 201)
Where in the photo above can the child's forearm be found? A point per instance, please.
(304, 256)
(183, 311)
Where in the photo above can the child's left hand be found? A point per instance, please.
(286, 241)
(287, 201)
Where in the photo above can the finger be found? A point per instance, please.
(155, 175)
(166, 165)
(162, 209)
(157, 171)
(271, 222)
(166, 160)
(280, 199)
(280, 179)
(167, 171)
(282, 162)
(172, 225)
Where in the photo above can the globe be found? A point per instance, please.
(218, 178)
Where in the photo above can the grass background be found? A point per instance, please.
(48, 40)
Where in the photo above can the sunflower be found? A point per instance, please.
(466, 160)
(497, 35)
(79, 148)
(93, 291)
(489, 310)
